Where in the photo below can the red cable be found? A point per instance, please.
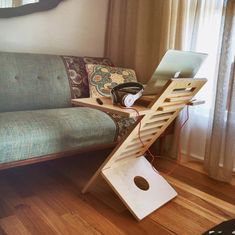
(139, 136)
(178, 136)
(179, 156)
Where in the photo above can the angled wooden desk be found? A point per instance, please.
(126, 170)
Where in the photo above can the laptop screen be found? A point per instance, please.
(174, 64)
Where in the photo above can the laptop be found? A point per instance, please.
(174, 64)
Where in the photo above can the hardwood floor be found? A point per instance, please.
(45, 199)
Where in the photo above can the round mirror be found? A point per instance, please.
(15, 3)
(12, 8)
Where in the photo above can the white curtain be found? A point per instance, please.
(202, 34)
(210, 133)
(220, 154)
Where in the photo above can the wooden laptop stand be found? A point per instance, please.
(126, 170)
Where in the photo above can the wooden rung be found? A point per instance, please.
(144, 139)
(184, 87)
(159, 117)
(196, 102)
(134, 147)
(155, 127)
(124, 159)
(149, 132)
(131, 146)
(175, 99)
(180, 93)
(150, 135)
(174, 103)
(153, 124)
(133, 151)
(171, 108)
(158, 113)
(138, 144)
(123, 156)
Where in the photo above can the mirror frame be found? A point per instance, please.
(42, 5)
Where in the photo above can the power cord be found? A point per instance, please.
(139, 136)
(178, 136)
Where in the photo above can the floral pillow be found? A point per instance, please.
(102, 78)
(76, 70)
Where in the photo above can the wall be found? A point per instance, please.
(74, 27)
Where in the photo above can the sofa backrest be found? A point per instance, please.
(33, 81)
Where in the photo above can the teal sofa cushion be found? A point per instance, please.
(28, 134)
(33, 81)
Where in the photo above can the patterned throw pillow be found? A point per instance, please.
(102, 78)
(76, 70)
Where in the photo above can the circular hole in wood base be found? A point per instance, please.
(141, 183)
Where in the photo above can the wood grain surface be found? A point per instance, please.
(46, 199)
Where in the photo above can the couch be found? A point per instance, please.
(37, 120)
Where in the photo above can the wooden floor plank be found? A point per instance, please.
(213, 217)
(181, 220)
(48, 215)
(129, 226)
(74, 221)
(198, 180)
(5, 211)
(226, 206)
(2, 232)
(224, 215)
(12, 225)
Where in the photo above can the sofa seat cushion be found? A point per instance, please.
(27, 134)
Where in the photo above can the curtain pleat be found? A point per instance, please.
(132, 38)
(219, 159)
